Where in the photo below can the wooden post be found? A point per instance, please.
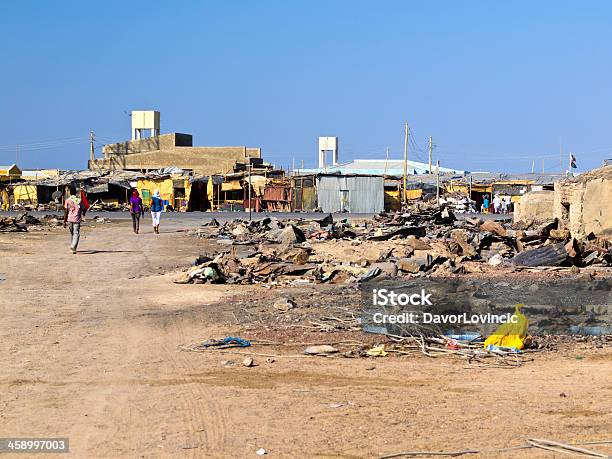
(438, 182)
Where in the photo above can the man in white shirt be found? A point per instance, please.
(496, 204)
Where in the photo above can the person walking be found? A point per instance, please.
(136, 210)
(73, 213)
(157, 206)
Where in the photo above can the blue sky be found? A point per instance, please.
(497, 84)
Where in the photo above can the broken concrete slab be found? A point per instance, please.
(291, 234)
(493, 227)
(548, 255)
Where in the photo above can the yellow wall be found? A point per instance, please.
(465, 189)
(414, 194)
(392, 199)
(25, 194)
(165, 187)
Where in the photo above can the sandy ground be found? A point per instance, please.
(89, 350)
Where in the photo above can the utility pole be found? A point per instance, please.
(92, 138)
(430, 151)
(386, 161)
(406, 134)
(532, 166)
(250, 206)
(438, 182)
(470, 196)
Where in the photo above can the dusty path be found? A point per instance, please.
(88, 350)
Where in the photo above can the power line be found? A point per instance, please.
(43, 143)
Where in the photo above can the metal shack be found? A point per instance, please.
(355, 193)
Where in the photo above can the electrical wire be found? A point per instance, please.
(41, 145)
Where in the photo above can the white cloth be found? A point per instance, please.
(496, 202)
(155, 216)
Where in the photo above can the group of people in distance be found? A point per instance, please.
(498, 206)
(76, 206)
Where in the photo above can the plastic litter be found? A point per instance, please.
(510, 336)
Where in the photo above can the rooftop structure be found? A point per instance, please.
(143, 154)
(8, 173)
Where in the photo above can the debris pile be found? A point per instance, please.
(99, 205)
(420, 241)
(459, 203)
(25, 222)
(18, 223)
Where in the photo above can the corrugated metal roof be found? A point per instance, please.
(381, 167)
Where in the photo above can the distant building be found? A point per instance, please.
(9, 173)
(144, 154)
(391, 167)
(39, 174)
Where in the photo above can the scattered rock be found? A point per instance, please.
(493, 227)
(496, 260)
(291, 234)
(284, 304)
(320, 349)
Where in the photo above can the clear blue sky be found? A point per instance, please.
(496, 84)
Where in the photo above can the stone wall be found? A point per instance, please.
(534, 207)
(584, 204)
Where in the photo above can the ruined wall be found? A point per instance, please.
(584, 204)
(534, 207)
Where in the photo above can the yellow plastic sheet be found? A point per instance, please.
(377, 351)
(510, 334)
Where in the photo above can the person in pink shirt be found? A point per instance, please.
(73, 213)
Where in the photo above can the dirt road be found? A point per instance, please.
(89, 350)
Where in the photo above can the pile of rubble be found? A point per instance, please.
(24, 221)
(16, 224)
(459, 203)
(271, 251)
(419, 242)
(99, 205)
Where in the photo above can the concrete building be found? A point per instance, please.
(328, 144)
(143, 121)
(144, 154)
